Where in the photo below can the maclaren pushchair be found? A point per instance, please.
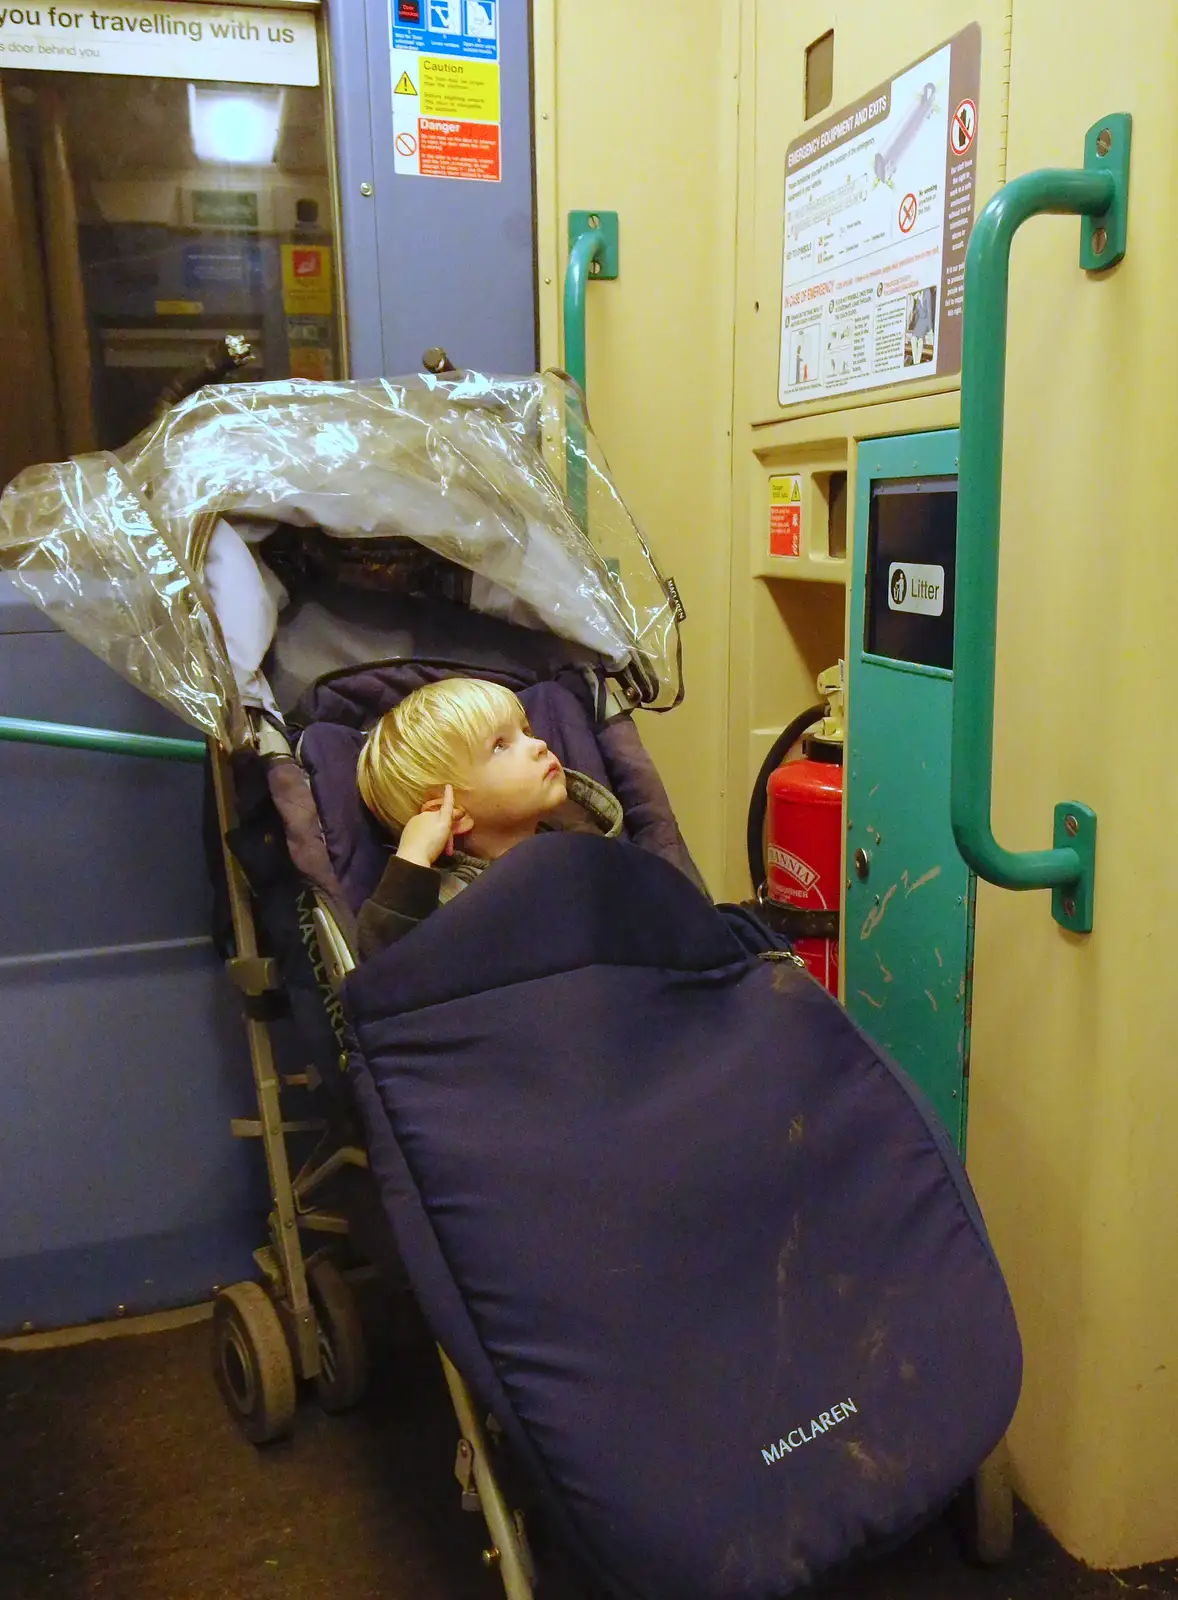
(696, 1254)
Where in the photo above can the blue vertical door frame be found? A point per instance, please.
(431, 261)
(359, 261)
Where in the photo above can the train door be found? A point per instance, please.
(165, 184)
(165, 190)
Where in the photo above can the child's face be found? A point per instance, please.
(513, 780)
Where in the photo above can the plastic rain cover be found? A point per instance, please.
(500, 476)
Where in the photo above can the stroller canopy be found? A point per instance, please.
(499, 479)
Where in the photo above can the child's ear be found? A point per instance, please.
(463, 822)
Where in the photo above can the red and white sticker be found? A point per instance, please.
(785, 515)
(963, 127)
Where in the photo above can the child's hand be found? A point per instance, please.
(425, 836)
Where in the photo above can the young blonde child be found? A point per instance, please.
(457, 775)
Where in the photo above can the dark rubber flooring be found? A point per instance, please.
(122, 1478)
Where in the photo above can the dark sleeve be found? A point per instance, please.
(405, 896)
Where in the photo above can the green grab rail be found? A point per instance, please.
(593, 252)
(589, 247)
(22, 730)
(1099, 194)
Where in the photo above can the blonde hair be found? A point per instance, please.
(428, 741)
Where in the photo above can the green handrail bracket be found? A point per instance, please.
(21, 730)
(593, 253)
(1099, 194)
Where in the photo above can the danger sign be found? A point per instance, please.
(964, 126)
(785, 515)
(452, 149)
(907, 213)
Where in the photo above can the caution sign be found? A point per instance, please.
(785, 514)
(306, 280)
(467, 89)
(446, 99)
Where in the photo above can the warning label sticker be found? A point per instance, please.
(459, 150)
(306, 280)
(445, 72)
(878, 211)
(785, 515)
(467, 89)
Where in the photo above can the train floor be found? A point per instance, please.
(123, 1478)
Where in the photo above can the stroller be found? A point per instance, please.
(280, 563)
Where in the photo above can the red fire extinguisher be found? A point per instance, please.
(802, 822)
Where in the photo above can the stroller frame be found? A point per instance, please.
(263, 1340)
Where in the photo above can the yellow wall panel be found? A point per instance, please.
(871, 45)
(1074, 1094)
(641, 105)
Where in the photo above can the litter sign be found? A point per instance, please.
(445, 68)
(785, 515)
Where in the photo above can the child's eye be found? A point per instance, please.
(500, 744)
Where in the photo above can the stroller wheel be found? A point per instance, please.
(251, 1360)
(343, 1361)
(985, 1511)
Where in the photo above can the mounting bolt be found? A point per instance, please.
(1072, 824)
(491, 1557)
(1069, 908)
(1099, 242)
(1104, 142)
(366, 190)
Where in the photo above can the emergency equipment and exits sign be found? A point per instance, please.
(445, 72)
(879, 202)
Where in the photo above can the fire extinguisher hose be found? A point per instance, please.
(759, 799)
